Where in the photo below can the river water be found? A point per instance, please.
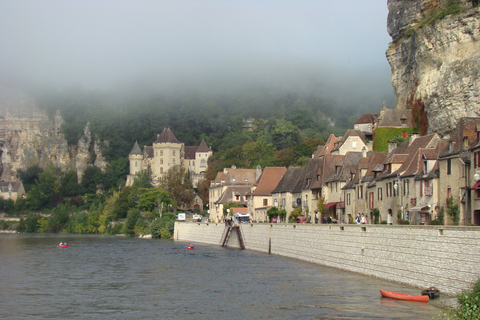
(101, 277)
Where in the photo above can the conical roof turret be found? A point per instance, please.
(136, 149)
(166, 136)
(203, 147)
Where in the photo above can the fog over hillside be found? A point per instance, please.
(333, 49)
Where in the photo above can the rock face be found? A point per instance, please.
(29, 137)
(437, 62)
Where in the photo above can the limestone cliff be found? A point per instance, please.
(28, 137)
(435, 58)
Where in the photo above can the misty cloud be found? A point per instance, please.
(302, 45)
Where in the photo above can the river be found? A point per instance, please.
(107, 277)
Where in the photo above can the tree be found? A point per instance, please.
(202, 187)
(150, 199)
(144, 178)
(92, 179)
(46, 187)
(229, 205)
(29, 176)
(452, 211)
(177, 182)
(70, 185)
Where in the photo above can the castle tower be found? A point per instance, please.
(136, 163)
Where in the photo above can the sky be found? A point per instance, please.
(177, 44)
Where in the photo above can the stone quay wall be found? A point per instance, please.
(445, 257)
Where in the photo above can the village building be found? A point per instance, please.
(456, 175)
(166, 152)
(282, 195)
(231, 185)
(12, 190)
(261, 199)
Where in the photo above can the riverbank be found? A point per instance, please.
(446, 257)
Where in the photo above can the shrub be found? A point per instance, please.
(468, 305)
(436, 222)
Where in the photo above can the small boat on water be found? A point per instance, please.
(401, 296)
(62, 246)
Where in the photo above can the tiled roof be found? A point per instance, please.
(348, 164)
(327, 148)
(203, 147)
(466, 129)
(269, 180)
(166, 136)
(350, 132)
(289, 180)
(366, 118)
(15, 186)
(190, 152)
(148, 151)
(237, 177)
(229, 193)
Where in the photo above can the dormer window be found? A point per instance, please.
(425, 166)
(465, 141)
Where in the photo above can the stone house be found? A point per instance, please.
(261, 198)
(231, 185)
(334, 208)
(11, 190)
(166, 152)
(352, 141)
(456, 174)
(282, 195)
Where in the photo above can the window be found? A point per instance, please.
(449, 166)
(265, 202)
(380, 194)
(161, 153)
(406, 187)
(354, 144)
(161, 169)
(348, 199)
(237, 197)
(136, 164)
(161, 160)
(360, 192)
(421, 188)
(174, 153)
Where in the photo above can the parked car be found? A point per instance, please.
(301, 219)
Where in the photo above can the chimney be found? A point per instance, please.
(392, 145)
(413, 136)
(258, 173)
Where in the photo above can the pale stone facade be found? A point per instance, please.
(166, 152)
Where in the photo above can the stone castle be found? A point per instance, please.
(166, 152)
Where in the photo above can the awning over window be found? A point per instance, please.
(330, 204)
(419, 208)
(476, 185)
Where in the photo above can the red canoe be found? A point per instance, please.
(401, 296)
(59, 246)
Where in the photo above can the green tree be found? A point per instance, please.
(70, 185)
(123, 204)
(132, 217)
(46, 187)
(453, 211)
(115, 174)
(29, 176)
(259, 153)
(144, 178)
(231, 204)
(92, 179)
(150, 199)
(177, 182)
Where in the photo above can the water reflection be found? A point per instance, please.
(122, 278)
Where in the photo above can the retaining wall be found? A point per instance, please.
(446, 257)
